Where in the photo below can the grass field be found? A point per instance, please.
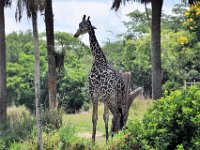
(83, 121)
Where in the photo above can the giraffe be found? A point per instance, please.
(104, 82)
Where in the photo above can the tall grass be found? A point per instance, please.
(52, 119)
(18, 127)
(19, 117)
(139, 108)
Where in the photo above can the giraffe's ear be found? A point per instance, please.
(94, 27)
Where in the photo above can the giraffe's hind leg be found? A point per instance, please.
(94, 99)
(106, 119)
(115, 120)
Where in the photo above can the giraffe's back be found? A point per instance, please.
(107, 82)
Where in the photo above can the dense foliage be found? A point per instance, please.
(171, 123)
(180, 50)
(20, 61)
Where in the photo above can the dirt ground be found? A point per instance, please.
(87, 135)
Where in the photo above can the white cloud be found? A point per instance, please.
(68, 14)
(101, 17)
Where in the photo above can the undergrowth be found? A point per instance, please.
(61, 131)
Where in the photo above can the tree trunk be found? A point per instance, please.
(51, 57)
(129, 95)
(156, 49)
(37, 81)
(3, 89)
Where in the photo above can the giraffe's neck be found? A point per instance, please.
(98, 55)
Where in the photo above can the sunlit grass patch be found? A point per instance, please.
(82, 121)
(139, 108)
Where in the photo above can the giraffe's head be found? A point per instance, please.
(84, 26)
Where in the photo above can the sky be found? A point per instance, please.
(68, 14)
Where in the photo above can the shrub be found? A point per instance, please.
(86, 107)
(134, 137)
(67, 135)
(15, 146)
(173, 122)
(70, 140)
(63, 139)
(18, 127)
(52, 119)
(170, 86)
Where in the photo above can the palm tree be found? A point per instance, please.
(155, 40)
(49, 22)
(37, 79)
(3, 76)
(32, 8)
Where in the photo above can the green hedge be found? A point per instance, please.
(173, 122)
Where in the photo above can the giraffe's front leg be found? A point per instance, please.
(106, 119)
(94, 116)
(94, 99)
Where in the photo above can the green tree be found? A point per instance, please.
(192, 22)
(20, 70)
(72, 78)
(191, 46)
(155, 40)
(138, 24)
(132, 55)
(174, 21)
(21, 77)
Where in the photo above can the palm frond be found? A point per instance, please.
(41, 5)
(31, 6)
(19, 9)
(117, 3)
(191, 2)
(7, 2)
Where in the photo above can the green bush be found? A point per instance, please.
(67, 135)
(52, 119)
(18, 127)
(134, 137)
(70, 140)
(170, 86)
(63, 139)
(86, 107)
(173, 122)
